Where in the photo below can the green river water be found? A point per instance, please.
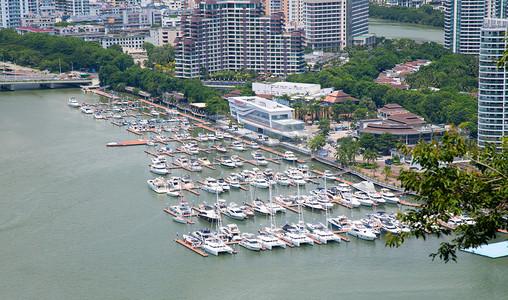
(77, 221)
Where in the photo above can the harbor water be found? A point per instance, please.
(397, 30)
(77, 221)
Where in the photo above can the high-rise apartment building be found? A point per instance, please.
(77, 7)
(334, 23)
(463, 20)
(492, 83)
(12, 11)
(234, 34)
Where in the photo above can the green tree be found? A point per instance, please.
(369, 155)
(324, 126)
(387, 171)
(385, 142)
(347, 149)
(479, 190)
(316, 143)
(367, 141)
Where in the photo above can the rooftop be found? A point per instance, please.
(260, 103)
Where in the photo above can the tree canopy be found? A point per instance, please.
(424, 15)
(478, 189)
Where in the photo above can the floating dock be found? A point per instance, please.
(129, 143)
(198, 251)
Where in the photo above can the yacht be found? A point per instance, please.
(186, 182)
(304, 170)
(295, 236)
(211, 136)
(190, 148)
(312, 203)
(182, 209)
(389, 196)
(250, 242)
(321, 233)
(86, 109)
(223, 184)
(159, 168)
(191, 241)
(238, 146)
(210, 185)
(216, 246)
(260, 207)
(280, 179)
(227, 162)
(202, 234)
(235, 212)
(254, 145)
(207, 213)
(259, 158)
(236, 159)
(362, 198)
(275, 208)
(204, 161)
(328, 175)
(341, 222)
(221, 149)
(73, 102)
(295, 176)
(195, 166)
(289, 156)
(269, 241)
(231, 232)
(233, 182)
(175, 183)
(260, 182)
(377, 198)
(182, 161)
(158, 185)
(359, 230)
(227, 135)
(202, 137)
(219, 135)
(153, 112)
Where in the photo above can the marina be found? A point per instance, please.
(106, 240)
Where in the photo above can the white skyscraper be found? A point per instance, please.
(11, 12)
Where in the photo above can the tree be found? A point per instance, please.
(347, 150)
(324, 126)
(369, 155)
(367, 141)
(387, 171)
(385, 142)
(316, 143)
(445, 189)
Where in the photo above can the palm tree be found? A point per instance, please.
(369, 155)
(387, 170)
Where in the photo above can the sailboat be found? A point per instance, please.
(215, 245)
(295, 234)
(268, 238)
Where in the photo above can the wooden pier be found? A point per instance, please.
(198, 251)
(128, 143)
(285, 206)
(176, 215)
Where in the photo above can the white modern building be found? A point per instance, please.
(266, 117)
(307, 90)
(492, 83)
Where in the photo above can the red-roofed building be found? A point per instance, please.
(339, 97)
(23, 30)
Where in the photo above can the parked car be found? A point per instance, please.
(388, 162)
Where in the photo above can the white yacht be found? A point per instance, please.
(289, 156)
(313, 204)
(159, 168)
(182, 209)
(219, 135)
(182, 161)
(295, 236)
(236, 159)
(389, 196)
(233, 182)
(223, 184)
(260, 182)
(221, 149)
(235, 212)
(238, 146)
(227, 162)
(321, 233)
(328, 175)
(202, 137)
(195, 166)
(254, 145)
(87, 109)
(211, 136)
(260, 207)
(341, 222)
(190, 148)
(377, 198)
(363, 198)
(259, 158)
(158, 185)
(216, 246)
(250, 242)
(73, 102)
(269, 241)
(204, 161)
(207, 213)
(280, 179)
(295, 176)
(359, 230)
(210, 185)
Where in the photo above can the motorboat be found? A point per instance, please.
(275, 208)
(361, 231)
(195, 166)
(295, 236)
(159, 168)
(216, 246)
(233, 182)
(254, 145)
(321, 233)
(328, 175)
(260, 207)
(249, 241)
(202, 234)
(289, 156)
(207, 213)
(202, 137)
(268, 173)
(238, 146)
(227, 135)
(182, 160)
(248, 211)
(227, 162)
(260, 182)
(98, 116)
(87, 109)
(73, 102)
(221, 149)
(304, 170)
(186, 182)
(341, 222)
(363, 199)
(313, 204)
(190, 148)
(180, 219)
(259, 158)
(158, 185)
(204, 161)
(210, 185)
(377, 198)
(191, 241)
(235, 212)
(223, 184)
(295, 176)
(211, 136)
(389, 196)
(219, 135)
(236, 159)
(269, 241)
(231, 232)
(280, 179)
